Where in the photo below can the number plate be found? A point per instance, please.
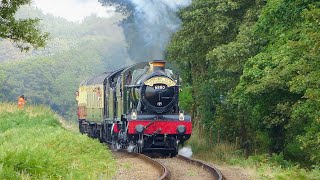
(160, 87)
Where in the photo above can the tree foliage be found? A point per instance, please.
(254, 70)
(23, 32)
(75, 52)
(211, 47)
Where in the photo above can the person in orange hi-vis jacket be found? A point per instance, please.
(21, 102)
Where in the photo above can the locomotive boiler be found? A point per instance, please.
(136, 107)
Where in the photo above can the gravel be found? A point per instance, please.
(236, 173)
(134, 168)
(181, 170)
(131, 167)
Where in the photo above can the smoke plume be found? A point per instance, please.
(148, 25)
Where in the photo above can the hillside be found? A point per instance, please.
(75, 52)
(34, 146)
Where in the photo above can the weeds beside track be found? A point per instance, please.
(33, 145)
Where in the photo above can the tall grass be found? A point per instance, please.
(33, 145)
(265, 166)
(206, 149)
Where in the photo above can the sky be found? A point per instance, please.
(74, 10)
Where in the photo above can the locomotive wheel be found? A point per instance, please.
(113, 145)
(173, 154)
(80, 127)
(137, 149)
(101, 139)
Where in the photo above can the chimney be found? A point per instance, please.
(157, 65)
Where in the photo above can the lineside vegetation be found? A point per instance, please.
(33, 145)
(257, 166)
(253, 73)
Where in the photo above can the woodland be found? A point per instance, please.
(252, 71)
(74, 52)
(250, 68)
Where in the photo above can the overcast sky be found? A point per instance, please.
(73, 10)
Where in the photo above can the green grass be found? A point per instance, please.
(127, 165)
(276, 167)
(33, 145)
(263, 166)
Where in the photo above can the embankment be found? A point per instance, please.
(34, 145)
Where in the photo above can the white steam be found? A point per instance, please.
(158, 11)
(186, 152)
(130, 148)
(156, 20)
(150, 26)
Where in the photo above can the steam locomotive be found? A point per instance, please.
(135, 107)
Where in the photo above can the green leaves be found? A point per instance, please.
(210, 49)
(23, 32)
(75, 52)
(287, 71)
(262, 63)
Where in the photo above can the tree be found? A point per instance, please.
(214, 42)
(253, 69)
(22, 32)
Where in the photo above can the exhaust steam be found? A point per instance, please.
(149, 25)
(185, 151)
(130, 148)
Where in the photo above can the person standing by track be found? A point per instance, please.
(21, 102)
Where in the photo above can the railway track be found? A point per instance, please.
(143, 167)
(180, 167)
(213, 171)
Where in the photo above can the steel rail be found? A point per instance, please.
(214, 171)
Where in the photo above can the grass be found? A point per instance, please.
(33, 145)
(127, 165)
(262, 166)
(191, 173)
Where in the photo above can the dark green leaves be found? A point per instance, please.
(262, 62)
(23, 32)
